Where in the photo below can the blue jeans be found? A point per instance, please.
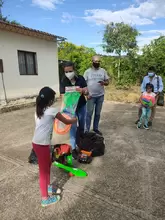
(146, 112)
(94, 103)
(81, 120)
(81, 114)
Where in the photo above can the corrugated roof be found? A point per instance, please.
(19, 29)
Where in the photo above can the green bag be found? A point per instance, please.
(160, 101)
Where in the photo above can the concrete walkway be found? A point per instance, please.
(128, 183)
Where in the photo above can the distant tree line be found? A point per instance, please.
(127, 70)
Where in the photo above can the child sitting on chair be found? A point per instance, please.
(147, 100)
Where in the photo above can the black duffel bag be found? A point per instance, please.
(92, 142)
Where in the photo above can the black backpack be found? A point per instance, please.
(160, 100)
(92, 142)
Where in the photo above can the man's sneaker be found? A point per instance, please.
(98, 132)
(138, 125)
(136, 122)
(53, 190)
(146, 127)
(150, 123)
(50, 201)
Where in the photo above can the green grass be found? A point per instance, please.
(129, 96)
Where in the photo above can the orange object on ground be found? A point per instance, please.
(88, 153)
(63, 149)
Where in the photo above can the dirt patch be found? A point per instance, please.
(128, 96)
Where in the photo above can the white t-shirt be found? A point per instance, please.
(44, 127)
(92, 77)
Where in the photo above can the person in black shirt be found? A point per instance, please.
(72, 79)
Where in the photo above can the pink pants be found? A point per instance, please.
(44, 161)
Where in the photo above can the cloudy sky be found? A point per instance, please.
(82, 21)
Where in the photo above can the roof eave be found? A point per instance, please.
(29, 32)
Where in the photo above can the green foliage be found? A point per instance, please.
(154, 55)
(133, 67)
(80, 55)
(119, 37)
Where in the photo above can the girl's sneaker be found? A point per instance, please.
(53, 190)
(146, 127)
(50, 201)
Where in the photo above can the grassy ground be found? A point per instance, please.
(129, 96)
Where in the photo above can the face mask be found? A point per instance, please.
(151, 74)
(96, 65)
(70, 75)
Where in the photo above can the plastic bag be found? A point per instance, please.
(66, 134)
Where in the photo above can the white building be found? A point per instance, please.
(30, 61)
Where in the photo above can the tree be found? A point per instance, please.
(118, 38)
(1, 6)
(80, 55)
(5, 18)
(153, 55)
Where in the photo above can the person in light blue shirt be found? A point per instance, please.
(154, 80)
(157, 83)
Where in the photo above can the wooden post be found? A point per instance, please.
(3, 83)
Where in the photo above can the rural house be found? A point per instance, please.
(30, 61)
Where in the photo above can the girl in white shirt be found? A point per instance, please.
(45, 115)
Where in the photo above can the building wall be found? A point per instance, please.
(19, 86)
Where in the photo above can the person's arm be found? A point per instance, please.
(106, 82)
(143, 86)
(160, 84)
(61, 118)
(86, 79)
(62, 88)
(106, 79)
(83, 90)
(140, 99)
(156, 99)
(35, 117)
(156, 95)
(86, 76)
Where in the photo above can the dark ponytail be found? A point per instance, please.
(45, 99)
(40, 106)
